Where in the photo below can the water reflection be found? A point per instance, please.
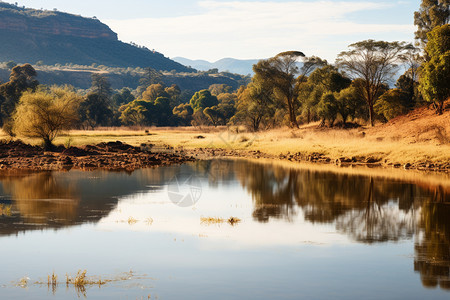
(432, 247)
(43, 199)
(366, 209)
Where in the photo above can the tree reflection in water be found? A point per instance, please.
(368, 209)
(43, 199)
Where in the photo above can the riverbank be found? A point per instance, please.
(16, 155)
(419, 140)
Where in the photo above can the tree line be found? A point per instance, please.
(289, 89)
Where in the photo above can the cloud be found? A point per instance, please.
(258, 29)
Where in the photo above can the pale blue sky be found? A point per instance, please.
(214, 29)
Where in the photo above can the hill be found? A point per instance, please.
(232, 65)
(52, 37)
(81, 77)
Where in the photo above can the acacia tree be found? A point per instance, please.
(375, 63)
(435, 73)
(45, 113)
(431, 13)
(279, 73)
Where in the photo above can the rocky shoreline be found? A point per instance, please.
(16, 155)
(115, 156)
(318, 158)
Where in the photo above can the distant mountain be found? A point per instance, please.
(30, 35)
(238, 66)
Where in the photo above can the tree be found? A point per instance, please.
(375, 63)
(101, 86)
(328, 108)
(432, 13)
(162, 112)
(124, 96)
(97, 108)
(351, 103)
(151, 76)
(393, 103)
(154, 91)
(217, 89)
(203, 99)
(45, 113)
(183, 113)
(214, 115)
(95, 111)
(254, 106)
(135, 113)
(21, 79)
(279, 73)
(435, 73)
(321, 81)
(227, 105)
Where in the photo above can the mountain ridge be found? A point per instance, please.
(52, 37)
(238, 66)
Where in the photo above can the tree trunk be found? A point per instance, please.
(48, 146)
(439, 106)
(371, 114)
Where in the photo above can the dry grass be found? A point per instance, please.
(421, 136)
(5, 210)
(211, 220)
(131, 221)
(214, 220)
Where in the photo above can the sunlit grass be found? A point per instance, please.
(211, 220)
(5, 210)
(215, 220)
(387, 145)
(131, 221)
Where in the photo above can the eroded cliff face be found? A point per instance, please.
(37, 22)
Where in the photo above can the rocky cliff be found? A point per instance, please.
(30, 35)
(31, 21)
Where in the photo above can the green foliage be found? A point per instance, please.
(21, 79)
(203, 99)
(134, 113)
(124, 96)
(45, 113)
(217, 89)
(324, 80)
(351, 103)
(183, 114)
(154, 91)
(95, 111)
(214, 115)
(162, 112)
(255, 106)
(432, 13)
(328, 108)
(435, 73)
(279, 75)
(227, 105)
(101, 86)
(393, 103)
(375, 63)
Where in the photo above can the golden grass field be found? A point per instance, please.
(421, 136)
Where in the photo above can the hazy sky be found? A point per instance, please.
(246, 29)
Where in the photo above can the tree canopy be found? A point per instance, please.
(375, 62)
(45, 113)
(435, 73)
(431, 13)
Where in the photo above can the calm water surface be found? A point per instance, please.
(304, 234)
